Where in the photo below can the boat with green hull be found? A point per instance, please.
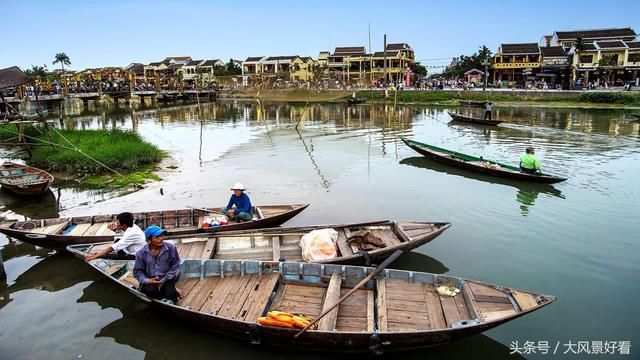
(479, 164)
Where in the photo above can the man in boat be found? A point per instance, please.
(126, 248)
(157, 265)
(528, 162)
(488, 111)
(243, 209)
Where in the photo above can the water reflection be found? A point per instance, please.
(527, 192)
(38, 207)
(416, 261)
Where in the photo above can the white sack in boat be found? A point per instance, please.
(319, 245)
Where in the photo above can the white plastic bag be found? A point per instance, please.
(319, 245)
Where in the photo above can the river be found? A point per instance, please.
(573, 239)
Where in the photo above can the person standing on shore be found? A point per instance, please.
(488, 111)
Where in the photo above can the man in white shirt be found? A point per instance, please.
(131, 241)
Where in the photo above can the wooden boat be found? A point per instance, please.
(398, 310)
(356, 101)
(283, 244)
(24, 180)
(472, 103)
(58, 233)
(478, 164)
(471, 119)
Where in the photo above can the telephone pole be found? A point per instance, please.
(385, 60)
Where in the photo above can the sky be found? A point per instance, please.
(116, 33)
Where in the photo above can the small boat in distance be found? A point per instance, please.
(471, 119)
(24, 180)
(283, 244)
(356, 101)
(397, 310)
(472, 103)
(58, 233)
(478, 164)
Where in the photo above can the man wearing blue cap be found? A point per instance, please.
(157, 265)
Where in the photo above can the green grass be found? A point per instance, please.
(617, 98)
(123, 151)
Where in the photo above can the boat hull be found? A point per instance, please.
(34, 187)
(453, 161)
(469, 119)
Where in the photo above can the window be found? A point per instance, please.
(587, 59)
(634, 58)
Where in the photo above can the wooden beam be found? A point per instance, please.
(275, 243)
(382, 305)
(328, 323)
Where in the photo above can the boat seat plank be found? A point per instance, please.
(209, 249)
(471, 301)
(104, 230)
(343, 246)
(275, 243)
(526, 301)
(91, 231)
(434, 308)
(370, 311)
(486, 307)
(54, 229)
(498, 314)
(261, 294)
(450, 309)
(480, 289)
(387, 236)
(463, 310)
(199, 293)
(299, 299)
(328, 323)
(382, 305)
(79, 230)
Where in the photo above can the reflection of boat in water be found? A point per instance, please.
(528, 192)
(416, 261)
(43, 206)
(54, 273)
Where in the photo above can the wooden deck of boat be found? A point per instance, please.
(401, 305)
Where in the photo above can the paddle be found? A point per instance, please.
(375, 272)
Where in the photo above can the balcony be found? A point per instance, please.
(515, 65)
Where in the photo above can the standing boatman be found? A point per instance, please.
(488, 111)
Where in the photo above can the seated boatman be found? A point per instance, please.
(131, 241)
(528, 162)
(157, 265)
(243, 209)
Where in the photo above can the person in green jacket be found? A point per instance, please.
(528, 162)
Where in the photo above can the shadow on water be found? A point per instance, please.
(527, 192)
(416, 261)
(54, 273)
(45, 206)
(138, 320)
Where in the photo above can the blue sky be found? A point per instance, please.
(101, 33)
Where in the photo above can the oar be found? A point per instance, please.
(205, 210)
(375, 272)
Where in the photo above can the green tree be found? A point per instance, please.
(463, 63)
(36, 72)
(419, 70)
(233, 68)
(606, 66)
(62, 59)
(220, 70)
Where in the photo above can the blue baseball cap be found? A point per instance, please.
(154, 231)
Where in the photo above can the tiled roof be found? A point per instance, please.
(135, 67)
(633, 44)
(611, 44)
(175, 66)
(590, 47)
(288, 57)
(306, 58)
(349, 50)
(157, 63)
(178, 58)
(211, 62)
(12, 76)
(595, 33)
(523, 48)
(389, 53)
(193, 63)
(254, 58)
(553, 51)
(398, 46)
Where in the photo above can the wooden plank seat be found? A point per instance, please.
(300, 299)
(237, 297)
(490, 303)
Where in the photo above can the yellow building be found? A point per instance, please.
(613, 61)
(302, 68)
(515, 64)
(354, 64)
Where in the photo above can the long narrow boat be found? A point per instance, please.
(283, 244)
(399, 310)
(472, 103)
(24, 180)
(58, 233)
(471, 119)
(478, 164)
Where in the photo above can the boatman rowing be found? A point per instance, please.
(528, 162)
(125, 249)
(243, 208)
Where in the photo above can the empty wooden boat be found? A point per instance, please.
(472, 103)
(58, 233)
(478, 164)
(24, 180)
(398, 310)
(471, 119)
(283, 244)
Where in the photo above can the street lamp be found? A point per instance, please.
(486, 64)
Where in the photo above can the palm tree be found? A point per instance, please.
(36, 72)
(579, 47)
(62, 59)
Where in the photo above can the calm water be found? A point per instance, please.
(577, 240)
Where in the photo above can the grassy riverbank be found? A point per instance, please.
(122, 151)
(630, 99)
